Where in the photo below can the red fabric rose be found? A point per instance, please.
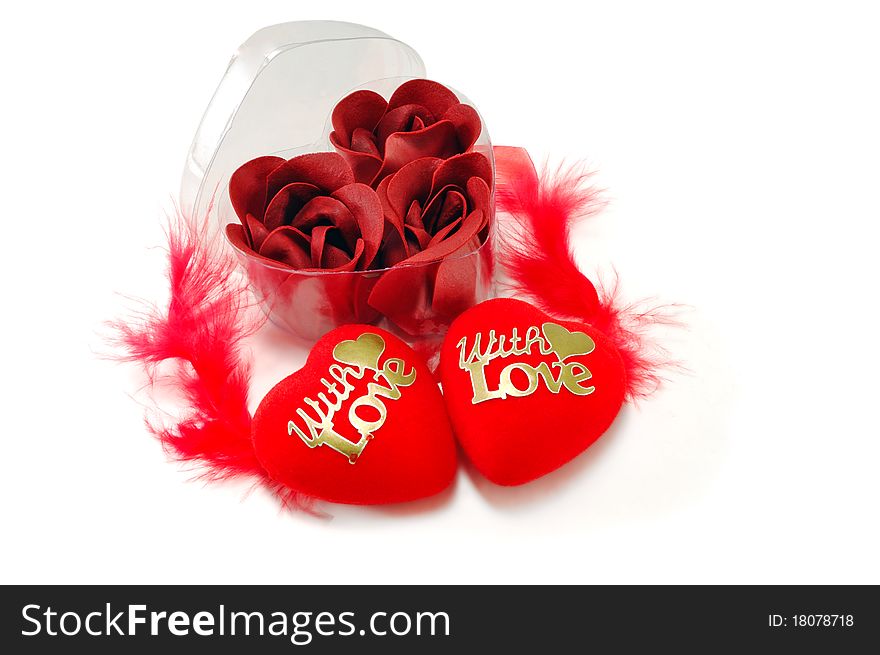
(438, 211)
(422, 119)
(306, 213)
(300, 217)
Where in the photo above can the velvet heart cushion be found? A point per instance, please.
(525, 392)
(363, 422)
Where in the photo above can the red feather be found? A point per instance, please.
(202, 328)
(539, 259)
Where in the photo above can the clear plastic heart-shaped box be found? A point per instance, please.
(276, 98)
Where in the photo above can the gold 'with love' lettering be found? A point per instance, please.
(356, 358)
(549, 339)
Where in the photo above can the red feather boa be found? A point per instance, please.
(539, 259)
(202, 329)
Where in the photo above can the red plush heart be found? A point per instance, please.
(363, 422)
(525, 392)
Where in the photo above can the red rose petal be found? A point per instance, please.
(287, 203)
(459, 169)
(318, 238)
(392, 218)
(397, 248)
(257, 232)
(455, 281)
(248, 186)
(454, 206)
(326, 170)
(445, 231)
(327, 257)
(414, 216)
(287, 245)
(363, 165)
(238, 239)
(406, 118)
(338, 260)
(411, 182)
(467, 125)
(481, 197)
(455, 286)
(401, 148)
(447, 205)
(365, 207)
(416, 240)
(323, 210)
(410, 311)
(433, 96)
(468, 229)
(421, 236)
(382, 192)
(363, 141)
(361, 109)
(394, 250)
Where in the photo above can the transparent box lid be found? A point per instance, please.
(277, 93)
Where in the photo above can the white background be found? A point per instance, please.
(740, 146)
